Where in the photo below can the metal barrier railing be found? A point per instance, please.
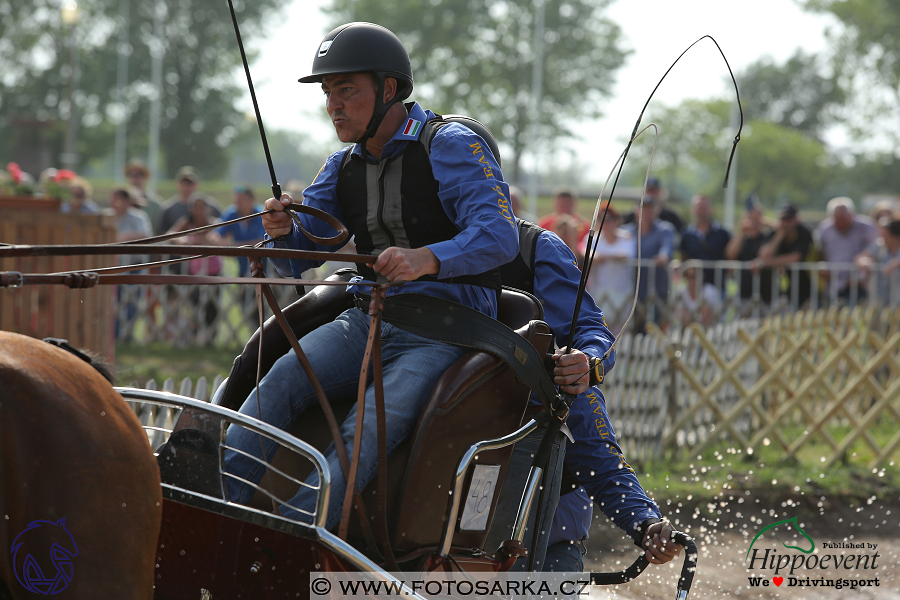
(226, 316)
(710, 292)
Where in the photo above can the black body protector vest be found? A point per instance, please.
(519, 273)
(395, 203)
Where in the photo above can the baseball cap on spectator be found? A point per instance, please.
(137, 165)
(187, 173)
(788, 211)
(653, 183)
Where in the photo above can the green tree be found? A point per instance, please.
(776, 162)
(199, 88)
(868, 40)
(781, 164)
(797, 94)
(867, 56)
(692, 151)
(295, 155)
(476, 57)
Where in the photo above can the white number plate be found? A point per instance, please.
(479, 498)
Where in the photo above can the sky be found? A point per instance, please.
(657, 31)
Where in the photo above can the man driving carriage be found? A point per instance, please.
(437, 217)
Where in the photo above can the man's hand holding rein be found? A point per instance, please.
(658, 545)
(278, 224)
(404, 264)
(571, 373)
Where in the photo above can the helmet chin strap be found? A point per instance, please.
(380, 112)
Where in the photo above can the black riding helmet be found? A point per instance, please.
(365, 47)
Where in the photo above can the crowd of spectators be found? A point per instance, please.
(843, 259)
(861, 254)
(140, 213)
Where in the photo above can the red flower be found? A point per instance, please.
(15, 172)
(63, 175)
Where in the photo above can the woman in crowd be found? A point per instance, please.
(611, 281)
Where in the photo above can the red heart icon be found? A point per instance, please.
(778, 580)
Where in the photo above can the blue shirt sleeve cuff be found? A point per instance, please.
(445, 252)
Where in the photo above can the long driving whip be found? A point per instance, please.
(276, 187)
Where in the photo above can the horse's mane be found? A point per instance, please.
(92, 358)
(102, 366)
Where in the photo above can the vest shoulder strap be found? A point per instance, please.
(348, 154)
(528, 236)
(430, 128)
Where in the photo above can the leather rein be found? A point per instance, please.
(114, 276)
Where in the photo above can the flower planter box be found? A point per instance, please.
(30, 203)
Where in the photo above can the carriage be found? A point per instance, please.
(462, 442)
(434, 503)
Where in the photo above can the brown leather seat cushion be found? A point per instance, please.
(479, 398)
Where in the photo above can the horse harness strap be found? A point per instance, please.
(445, 321)
(65, 345)
(373, 353)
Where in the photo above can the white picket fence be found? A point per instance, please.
(159, 420)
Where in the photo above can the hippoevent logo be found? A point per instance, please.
(805, 565)
(42, 557)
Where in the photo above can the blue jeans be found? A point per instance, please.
(564, 557)
(411, 366)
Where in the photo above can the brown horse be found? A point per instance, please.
(80, 500)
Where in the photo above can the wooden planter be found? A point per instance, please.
(30, 203)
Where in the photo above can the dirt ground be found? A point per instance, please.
(723, 534)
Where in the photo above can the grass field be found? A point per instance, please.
(141, 363)
(722, 471)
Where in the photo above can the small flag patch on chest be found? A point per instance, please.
(412, 127)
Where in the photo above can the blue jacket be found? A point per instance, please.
(472, 192)
(599, 464)
(595, 458)
(243, 231)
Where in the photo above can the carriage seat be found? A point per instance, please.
(478, 398)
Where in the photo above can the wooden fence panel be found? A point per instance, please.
(637, 393)
(824, 382)
(85, 317)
